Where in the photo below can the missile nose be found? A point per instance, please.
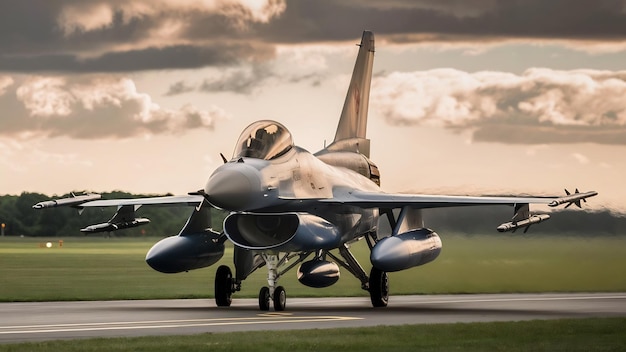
(233, 188)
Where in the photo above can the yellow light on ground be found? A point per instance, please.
(49, 245)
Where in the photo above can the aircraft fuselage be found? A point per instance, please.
(295, 182)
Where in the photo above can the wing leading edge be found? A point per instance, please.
(424, 201)
(522, 218)
(190, 200)
(125, 216)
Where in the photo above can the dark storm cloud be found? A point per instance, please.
(172, 57)
(114, 36)
(450, 21)
(105, 36)
(241, 38)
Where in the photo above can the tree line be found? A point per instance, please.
(21, 219)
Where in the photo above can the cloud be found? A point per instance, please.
(179, 87)
(120, 36)
(538, 106)
(178, 56)
(5, 82)
(450, 21)
(583, 160)
(290, 64)
(94, 107)
(240, 80)
(117, 36)
(95, 15)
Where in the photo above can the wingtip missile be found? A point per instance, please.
(514, 225)
(69, 201)
(573, 198)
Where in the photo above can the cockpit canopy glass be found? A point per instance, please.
(263, 140)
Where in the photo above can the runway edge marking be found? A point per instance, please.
(38, 329)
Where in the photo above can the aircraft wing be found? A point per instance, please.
(191, 200)
(423, 201)
(93, 200)
(125, 216)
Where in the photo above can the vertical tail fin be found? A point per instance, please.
(353, 121)
(351, 149)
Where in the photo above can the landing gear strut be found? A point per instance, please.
(276, 294)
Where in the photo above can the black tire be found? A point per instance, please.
(379, 288)
(223, 286)
(264, 298)
(280, 299)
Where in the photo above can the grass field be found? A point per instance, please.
(556, 335)
(104, 269)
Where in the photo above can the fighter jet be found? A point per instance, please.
(288, 207)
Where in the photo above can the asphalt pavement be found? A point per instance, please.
(38, 321)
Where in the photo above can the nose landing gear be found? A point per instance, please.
(276, 294)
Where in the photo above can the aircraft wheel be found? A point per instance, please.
(379, 288)
(264, 298)
(280, 299)
(223, 286)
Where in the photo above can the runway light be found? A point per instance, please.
(49, 245)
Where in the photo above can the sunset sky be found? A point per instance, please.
(468, 96)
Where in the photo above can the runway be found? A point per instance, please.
(68, 320)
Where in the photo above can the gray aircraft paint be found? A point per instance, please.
(289, 207)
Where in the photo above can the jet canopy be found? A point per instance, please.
(263, 140)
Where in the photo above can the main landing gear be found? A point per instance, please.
(226, 285)
(379, 288)
(223, 286)
(377, 283)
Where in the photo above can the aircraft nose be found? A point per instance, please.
(233, 188)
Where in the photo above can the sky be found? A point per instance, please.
(468, 96)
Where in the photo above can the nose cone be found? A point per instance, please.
(233, 188)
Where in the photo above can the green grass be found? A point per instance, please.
(104, 269)
(608, 334)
